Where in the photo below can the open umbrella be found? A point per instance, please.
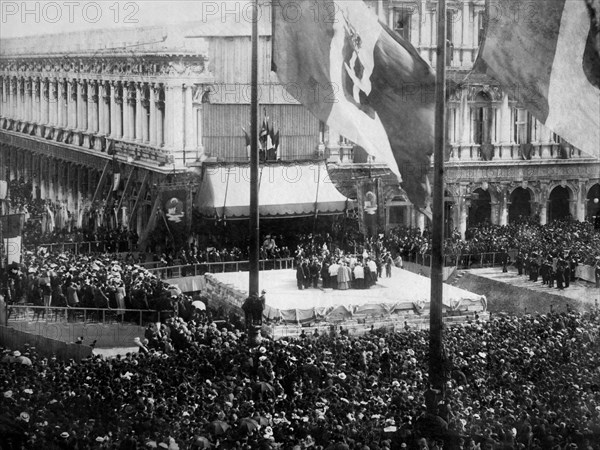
(218, 427)
(248, 425)
(174, 291)
(199, 305)
(201, 442)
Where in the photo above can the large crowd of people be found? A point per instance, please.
(512, 383)
(528, 382)
(96, 281)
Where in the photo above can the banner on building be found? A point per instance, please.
(11, 227)
(175, 208)
(116, 181)
(371, 206)
(3, 189)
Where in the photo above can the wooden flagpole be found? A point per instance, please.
(253, 334)
(436, 363)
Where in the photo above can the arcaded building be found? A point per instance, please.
(165, 109)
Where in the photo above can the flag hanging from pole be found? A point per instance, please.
(362, 79)
(547, 60)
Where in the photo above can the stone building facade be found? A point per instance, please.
(161, 105)
(501, 163)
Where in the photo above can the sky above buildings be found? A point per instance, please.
(28, 18)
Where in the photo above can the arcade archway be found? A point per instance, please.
(558, 207)
(481, 208)
(593, 205)
(520, 205)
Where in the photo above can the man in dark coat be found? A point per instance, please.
(519, 263)
(314, 270)
(301, 274)
(325, 274)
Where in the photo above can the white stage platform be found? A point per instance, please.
(405, 292)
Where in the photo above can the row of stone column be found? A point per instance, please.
(64, 182)
(502, 124)
(52, 179)
(148, 113)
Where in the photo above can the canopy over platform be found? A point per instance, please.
(298, 190)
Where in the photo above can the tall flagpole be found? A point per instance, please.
(254, 217)
(436, 363)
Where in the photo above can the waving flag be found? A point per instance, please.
(362, 79)
(548, 62)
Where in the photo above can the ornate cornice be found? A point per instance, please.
(530, 174)
(177, 67)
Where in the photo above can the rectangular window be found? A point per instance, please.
(479, 18)
(323, 132)
(450, 26)
(402, 21)
(520, 126)
(455, 113)
(533, 128)
(449, 37)
(477, 125)
(495, 126)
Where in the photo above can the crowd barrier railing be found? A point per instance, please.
(462, 261)
(81, 248)
(192, 270)
(31, 313)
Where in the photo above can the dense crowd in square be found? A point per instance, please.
(513, 383)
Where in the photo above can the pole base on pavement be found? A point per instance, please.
(254, 336)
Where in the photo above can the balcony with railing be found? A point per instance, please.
(494, 153)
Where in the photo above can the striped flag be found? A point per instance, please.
(546, 58)
(362, 79)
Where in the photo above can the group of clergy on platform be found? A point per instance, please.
(348, 272)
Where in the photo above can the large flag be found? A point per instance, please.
(547, 60)
(362, 79)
